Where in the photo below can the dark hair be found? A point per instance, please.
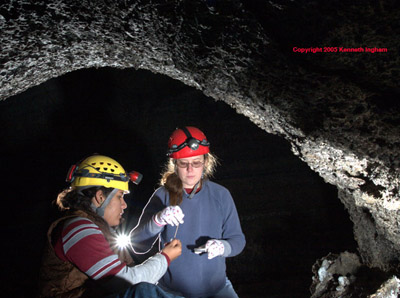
(73, 199)
(175, 188)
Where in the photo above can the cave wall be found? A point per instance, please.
(289, 215)
(339, 111)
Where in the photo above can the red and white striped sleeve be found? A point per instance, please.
(83, 244)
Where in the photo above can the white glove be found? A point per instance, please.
(172, 215)
(214, 248)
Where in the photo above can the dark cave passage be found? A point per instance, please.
(289, 215)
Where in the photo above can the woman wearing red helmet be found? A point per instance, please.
(200, 213)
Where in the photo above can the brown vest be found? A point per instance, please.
(62, 279)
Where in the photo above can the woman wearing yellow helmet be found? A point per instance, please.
(81, 256)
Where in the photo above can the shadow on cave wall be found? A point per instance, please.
(289, 215)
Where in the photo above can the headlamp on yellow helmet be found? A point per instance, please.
(100, 170)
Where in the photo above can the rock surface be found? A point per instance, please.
(339, 110)
(344, 276)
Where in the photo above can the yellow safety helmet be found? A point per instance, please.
(100, 170)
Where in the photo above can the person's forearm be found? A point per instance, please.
(146, 231)
(149, 271)
(234, 245)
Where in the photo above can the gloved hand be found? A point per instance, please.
(213, 248)
(172, 215)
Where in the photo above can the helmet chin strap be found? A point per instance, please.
(100, 210)
(194, 189)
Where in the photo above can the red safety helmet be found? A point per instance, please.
(186, 142)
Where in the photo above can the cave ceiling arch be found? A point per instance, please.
(339, 110)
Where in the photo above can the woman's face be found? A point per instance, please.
(114, 210)
(188, 173)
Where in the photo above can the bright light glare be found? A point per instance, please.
(123, 241)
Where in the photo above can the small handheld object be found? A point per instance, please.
(176, 231)
(200, 250)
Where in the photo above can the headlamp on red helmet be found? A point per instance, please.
(186, 142)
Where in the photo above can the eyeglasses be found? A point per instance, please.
(185, 164)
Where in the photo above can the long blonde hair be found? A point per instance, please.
(171, 181)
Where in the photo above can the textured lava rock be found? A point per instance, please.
(344, 276)
(339, 110)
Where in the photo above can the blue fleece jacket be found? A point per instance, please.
(210, 214)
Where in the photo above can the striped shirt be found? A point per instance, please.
(82, 243)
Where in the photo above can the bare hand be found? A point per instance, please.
(173, 249)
